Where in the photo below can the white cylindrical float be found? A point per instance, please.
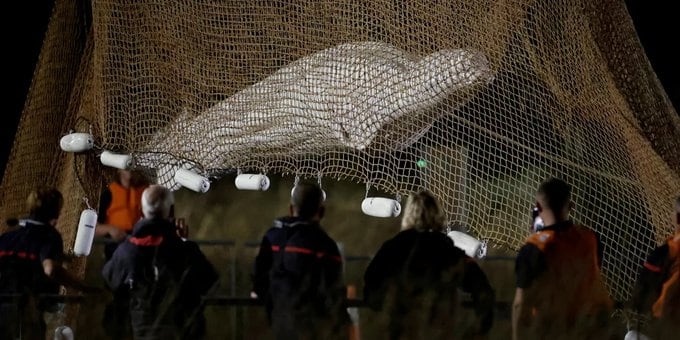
(252, 182)
(85, 234)
(470, 245)
(115, 160)
(77, 142)
(63, 333)
(635, 335)
(192, 180)
(380, 207)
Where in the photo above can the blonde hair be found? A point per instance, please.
(423, 213)
(44, 203)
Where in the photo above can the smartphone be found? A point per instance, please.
(536, 220)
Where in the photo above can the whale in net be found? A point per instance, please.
(351, 96)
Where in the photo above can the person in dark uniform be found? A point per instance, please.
(413, 279)
(164, 276)
(298, 273)
(560, 292)
(30, 265)
(657, 292)
(120, 207)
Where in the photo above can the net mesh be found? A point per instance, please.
(477, 101)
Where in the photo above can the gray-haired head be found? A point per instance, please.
(157, 202)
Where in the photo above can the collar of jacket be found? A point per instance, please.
(291, 222)
(153, 227)
(559, 226)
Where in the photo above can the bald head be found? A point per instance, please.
(157, 202)
(307, 201)
(553, 200)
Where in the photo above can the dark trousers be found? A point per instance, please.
(288, 325)
(116, 322)
(21, 322)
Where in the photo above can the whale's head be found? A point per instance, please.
(456, 68)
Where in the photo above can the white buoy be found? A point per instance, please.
(63, 333)
(380, 207)
(85, 233)
(635, 335)
(470, 245)
(252, 182)
(115, 160)
(192, 180)
(77, 142)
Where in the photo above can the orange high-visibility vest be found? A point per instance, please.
(668, 302)
(126, 206)
(571, 286)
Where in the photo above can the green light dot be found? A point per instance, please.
(421, 163)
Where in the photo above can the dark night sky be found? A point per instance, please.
(656, 23)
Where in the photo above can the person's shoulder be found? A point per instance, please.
(11, 231)
(529, 251)
(276, 228)
(41, 232)
(540, 239)
(438, 240)
(125, 249)
(659, 254)
(190, 247)
(280, 224)
(6, 238)
(587, 232)
(53, 232)
(442, 237)
(408, 235)
(320, 233)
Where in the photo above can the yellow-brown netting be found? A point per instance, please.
(476, 101)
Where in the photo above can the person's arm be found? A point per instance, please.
(517, 312)
(51, 255)
(476, 283)
(110, 230)
(263, 264)
(56, 272)
(116, 271)
(650, 281)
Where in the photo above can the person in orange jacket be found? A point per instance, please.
(657, 290)
(120, 207)
(560, 292)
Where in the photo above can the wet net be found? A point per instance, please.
(477, 101)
